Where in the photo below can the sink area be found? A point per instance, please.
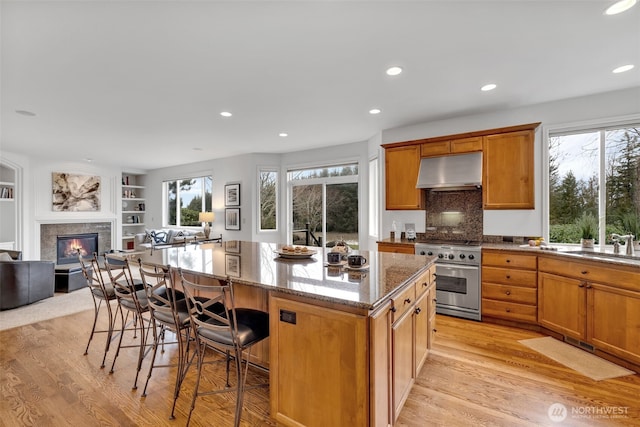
(605, 255)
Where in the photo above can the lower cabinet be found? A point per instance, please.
(397, 248)
(598, 305)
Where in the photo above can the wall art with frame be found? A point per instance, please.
(232, 219)
(75, 193)
(232, 265)
(232, 195)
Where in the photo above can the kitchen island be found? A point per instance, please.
(345, 345)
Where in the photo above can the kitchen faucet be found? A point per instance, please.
(628, 239)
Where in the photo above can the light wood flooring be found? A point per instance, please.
(477, 375)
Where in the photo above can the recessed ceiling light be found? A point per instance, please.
(88, 160)
(490, 86)
(25, 113)
(283, 134)
(375, 111)
(394, 71)
(623, 68)
(226, 114)
(197, 148)
(619, 7)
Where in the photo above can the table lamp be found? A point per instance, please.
(206, 217)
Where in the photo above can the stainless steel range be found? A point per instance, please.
(457, 277)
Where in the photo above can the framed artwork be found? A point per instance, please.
(232, 246)
(232, 195)
(232, 219)
(75, 193)
(232, 265)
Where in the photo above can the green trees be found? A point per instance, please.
(570, 197)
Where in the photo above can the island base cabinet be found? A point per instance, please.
(319, 372)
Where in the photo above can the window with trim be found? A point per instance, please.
(268, 199)
(184, 199)
(594, 172)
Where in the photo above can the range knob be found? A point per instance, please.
(440, 256)
(430, 253)
(462, 256)
(471, 256)
(451, 256)
(422, 253)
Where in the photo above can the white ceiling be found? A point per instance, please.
(140, 84)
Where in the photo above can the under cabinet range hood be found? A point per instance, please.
(453, 172)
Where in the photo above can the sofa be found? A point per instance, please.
(167, 237)
(24, 282)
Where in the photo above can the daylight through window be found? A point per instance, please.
(185, 199)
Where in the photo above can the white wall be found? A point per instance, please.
(515, 222)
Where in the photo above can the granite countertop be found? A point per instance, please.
(258, 264)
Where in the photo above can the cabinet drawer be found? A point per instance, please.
(509, 310)
(509, 259)
(423, 282)
(402, 302)
(397, 249)
(591, 271)
(434, 148)
(509, 276)
(510, 293)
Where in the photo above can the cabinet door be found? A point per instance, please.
(466, 145)
(421, 320)
(403, 371)
(614, 320)
(402, 165)
(562, 305)
(508, 174)
(437, 148)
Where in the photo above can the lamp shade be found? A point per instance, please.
(206, 217)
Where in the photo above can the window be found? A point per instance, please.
(594, 171)
(268, 199)
(374, 202)
(185, 198)
(324, 205)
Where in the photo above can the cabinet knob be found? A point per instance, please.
(435, 330)
(508, 277)
(584, 272)
(407, 301)
(418, 310)
(508, 310)
(588, 286)
(581, 285)
(508, 261)
(424, 284)
(508, 292)
(393, 309)
(435, 300)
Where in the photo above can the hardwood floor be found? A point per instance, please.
(477, 374)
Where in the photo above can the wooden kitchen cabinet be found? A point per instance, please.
(509, 286)
(402, 165)
(508, 171)
(397, 248)
(593, 303)
(453, 146)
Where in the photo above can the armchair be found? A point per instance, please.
(24, 282)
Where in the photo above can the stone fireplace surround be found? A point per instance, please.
(49, 233)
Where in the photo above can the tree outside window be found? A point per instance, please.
(590, 169)
(185, 199)
(268, 186)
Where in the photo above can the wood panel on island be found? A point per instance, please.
(508, 167)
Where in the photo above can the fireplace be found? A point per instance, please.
(69, 246)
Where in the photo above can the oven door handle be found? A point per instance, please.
(458, 266)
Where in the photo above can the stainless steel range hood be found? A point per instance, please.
(454, 172)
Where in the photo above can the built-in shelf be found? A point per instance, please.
(133, 208)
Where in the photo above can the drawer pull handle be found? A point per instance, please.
(584, 272)
(588, 286)
(508, 292)
(393, 309)
(508, 310)
(435, 330)
(508, 260)
(508, 277)
(407, 301)
(424, 284)
(581, 285)
(435, 300)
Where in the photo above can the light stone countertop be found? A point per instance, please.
(258, 264)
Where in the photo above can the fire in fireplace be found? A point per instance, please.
(69, 246)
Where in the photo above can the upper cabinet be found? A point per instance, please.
(451, 146)
(508, 167)
(401, 170)
(507, 171)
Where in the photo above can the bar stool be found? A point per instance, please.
(234, 331)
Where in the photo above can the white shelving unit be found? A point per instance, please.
(133, 208)
(7, 191)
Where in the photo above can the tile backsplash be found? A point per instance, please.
(454, 215)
